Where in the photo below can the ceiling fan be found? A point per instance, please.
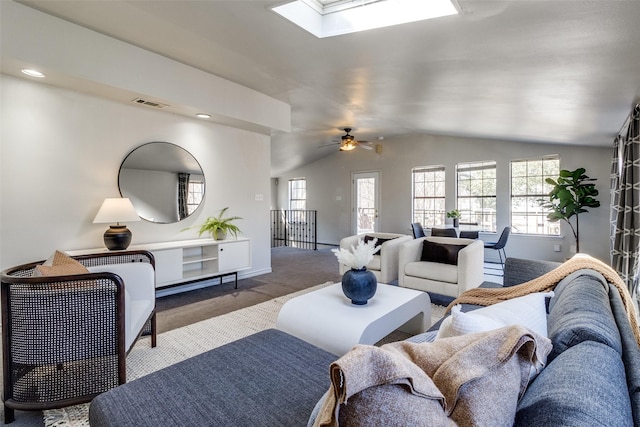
(348, 142)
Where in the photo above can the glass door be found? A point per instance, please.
(366, 199)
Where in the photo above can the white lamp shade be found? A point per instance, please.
(116, 210)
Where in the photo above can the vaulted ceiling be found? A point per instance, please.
(544, 71)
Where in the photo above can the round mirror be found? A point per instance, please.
(164, 182)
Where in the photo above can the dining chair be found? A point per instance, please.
(500, 244)
(466, 234)
(444, 232)
(417, 229)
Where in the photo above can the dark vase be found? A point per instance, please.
(456, 222)
(359, 285)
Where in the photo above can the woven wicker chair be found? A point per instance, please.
(64, 338)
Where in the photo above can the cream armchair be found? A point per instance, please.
(385, 263)
(437, 277)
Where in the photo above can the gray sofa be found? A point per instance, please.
(592, 376)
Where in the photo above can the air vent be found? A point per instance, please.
(149, 103)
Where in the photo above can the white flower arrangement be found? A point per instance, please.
(357, 258)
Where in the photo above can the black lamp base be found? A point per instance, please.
(117, 237)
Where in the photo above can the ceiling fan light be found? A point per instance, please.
(347, 145)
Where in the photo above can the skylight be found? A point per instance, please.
(327, 18)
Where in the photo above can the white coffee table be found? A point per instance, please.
(327, 319)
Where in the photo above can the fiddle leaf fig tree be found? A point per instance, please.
(573, 192)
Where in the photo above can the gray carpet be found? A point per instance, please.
(292, 270)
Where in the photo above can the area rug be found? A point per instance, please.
(183, 343)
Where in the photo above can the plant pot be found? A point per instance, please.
(220, 234)
(456, 222)
(359, 285)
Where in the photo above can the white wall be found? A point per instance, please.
(329, 188)
(85, 60)
(60, 152)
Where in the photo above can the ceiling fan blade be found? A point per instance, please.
(329, 145)
(365, 146)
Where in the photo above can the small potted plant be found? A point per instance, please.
(455, 214)
(219, 226)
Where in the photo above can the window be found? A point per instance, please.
(195, 193)
(428, 195)
(298, 194)
(477, 194)
(326, 18)
(528, 186)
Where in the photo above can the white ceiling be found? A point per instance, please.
(544, 71)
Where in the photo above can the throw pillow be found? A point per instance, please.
(378, 243)
(529, 311)
(443, 253)
(59, 264)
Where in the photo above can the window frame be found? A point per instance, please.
(299, 201)
(464, 201)
(194, 198)
(548, 228)
(438, 215)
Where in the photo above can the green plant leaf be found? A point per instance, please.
(572, 194)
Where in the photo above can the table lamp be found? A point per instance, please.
(116, 210)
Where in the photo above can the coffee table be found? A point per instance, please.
(327, 319)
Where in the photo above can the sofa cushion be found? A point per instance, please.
(432, 271)
(528, 311)
(139, 293)
(517, 271)
(580, 312)
(440, 252)
(375, 263)
(583, 386)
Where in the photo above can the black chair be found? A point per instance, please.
(469, 234)
(417, 229)
(444, 232)
(64, 337)
(500, 244)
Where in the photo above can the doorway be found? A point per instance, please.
(366, 200)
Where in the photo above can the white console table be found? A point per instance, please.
(184, 261)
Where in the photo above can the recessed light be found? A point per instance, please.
(33, 73)
(203, 116)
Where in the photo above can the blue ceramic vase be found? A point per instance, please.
(359, 285)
